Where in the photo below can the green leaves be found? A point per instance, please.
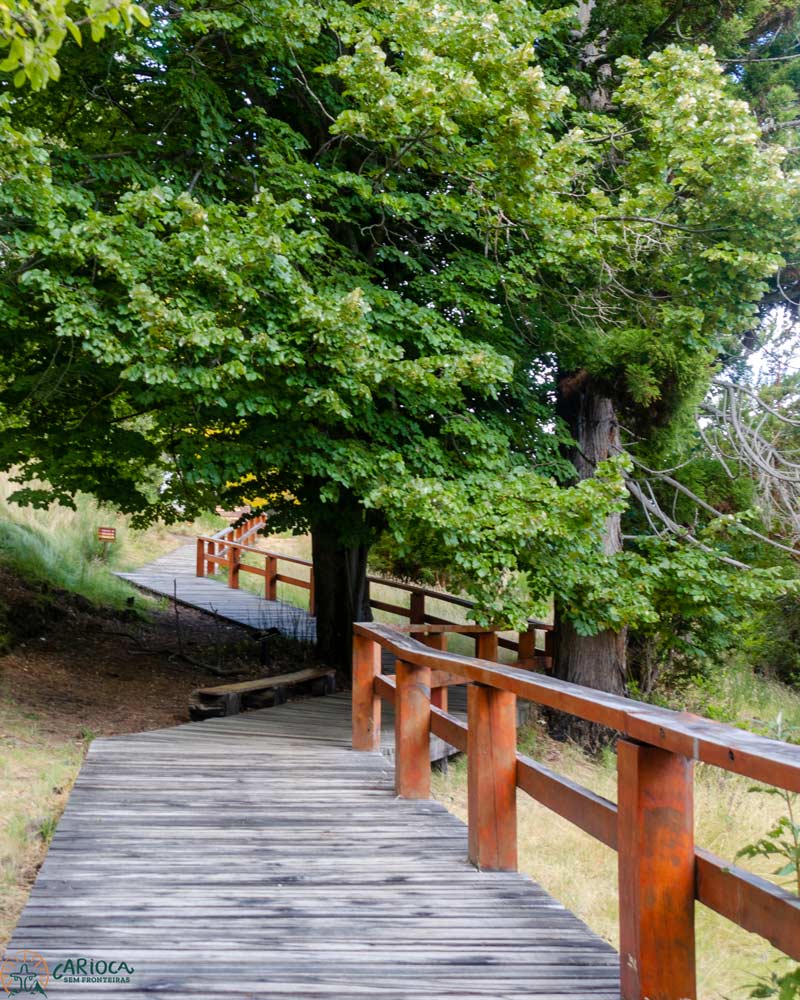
(32, 32)
(350, 249)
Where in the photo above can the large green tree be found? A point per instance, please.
(368, 255)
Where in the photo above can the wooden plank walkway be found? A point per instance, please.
(258, 856)
(173, 575)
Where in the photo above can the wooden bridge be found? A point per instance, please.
(279, 853)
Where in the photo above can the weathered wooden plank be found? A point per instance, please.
(259, 856)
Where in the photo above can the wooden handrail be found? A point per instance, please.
(661, 871)
(223, 551)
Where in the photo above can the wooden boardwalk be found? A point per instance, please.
(173, 575)
(258, 856)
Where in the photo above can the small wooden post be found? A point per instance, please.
(366, 701)
(486, 646)
(412, 713)
(656, 874)
(312, 597)
(416, 611)
(437, 640)
(270, 581)
(492, 777)
(233, 567)
(526, 648)
(201, 561)
(210, 566)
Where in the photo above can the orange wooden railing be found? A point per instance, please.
(224, 551)
(661, 871)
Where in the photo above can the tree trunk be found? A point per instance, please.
(341, 592)
(596, 661)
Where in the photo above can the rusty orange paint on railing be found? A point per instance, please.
(661, 871)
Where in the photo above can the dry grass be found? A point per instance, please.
(581, 873)
(36, 774)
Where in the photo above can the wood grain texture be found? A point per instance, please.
(412, 706)
(366, 700)
(260, 857)
(492, 778)
(656, 874)
(771, 761)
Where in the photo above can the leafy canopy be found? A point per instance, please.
(338, 254)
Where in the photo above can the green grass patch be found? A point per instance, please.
(58, 546)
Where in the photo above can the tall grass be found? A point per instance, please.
(58, 546)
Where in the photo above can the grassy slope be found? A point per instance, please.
(58, 546)
(581, 873)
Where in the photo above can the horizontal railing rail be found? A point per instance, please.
(224, 551)
(661, 872)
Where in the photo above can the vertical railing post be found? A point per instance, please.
(366, 701)
(486, 646)
(412, 714)
(437, 640)
(416, 611)
(492, 777)
(656, 874)
(233, 567)
(201, 554)
(312, 597)
(270, 580)
(211, 567)
(526, 648)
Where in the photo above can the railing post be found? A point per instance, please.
(492, 777)
(416, 611)
(437, 640)
(210, 566)
(526, 648)
(233, 567)
(201, 561)
(312, 598)
(412, 713)
(486, 646)
(656, 874)
(366, 701)
(270, 580)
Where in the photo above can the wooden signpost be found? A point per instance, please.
(106, 535)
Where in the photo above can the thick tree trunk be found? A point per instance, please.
(596, 661)
(341, 592)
